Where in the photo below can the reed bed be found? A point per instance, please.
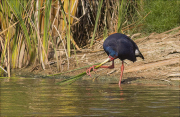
(31, 30)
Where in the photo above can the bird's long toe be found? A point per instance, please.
(88, 71)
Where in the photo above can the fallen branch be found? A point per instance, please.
(3, 69)
(178, 33)
(170, 30)
(151, 65)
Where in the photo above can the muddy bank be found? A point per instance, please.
(160, 67)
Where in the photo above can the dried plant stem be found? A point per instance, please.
(3, 69)
(63, 46)
(8, 47)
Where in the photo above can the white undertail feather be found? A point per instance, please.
(137, 52)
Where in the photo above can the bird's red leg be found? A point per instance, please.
(110, 67)
(122, 69)
(93, 67)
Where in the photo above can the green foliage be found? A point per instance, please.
(17, 12)
(46, 29)
(46, 24)
(165, 15)
(96, 23)
(121, 15)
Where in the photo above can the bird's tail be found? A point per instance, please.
(138, 54)
(141, 56)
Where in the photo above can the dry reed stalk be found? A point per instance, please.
(63, 45)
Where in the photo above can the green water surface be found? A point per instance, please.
(42, 97)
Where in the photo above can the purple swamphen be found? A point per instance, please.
(119, 46)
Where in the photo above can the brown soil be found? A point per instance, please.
(161, 64)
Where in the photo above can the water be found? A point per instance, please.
(42, 97)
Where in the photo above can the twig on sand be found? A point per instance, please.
(3, 69)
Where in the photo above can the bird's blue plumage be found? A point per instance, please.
(111, 51)
(121, 46)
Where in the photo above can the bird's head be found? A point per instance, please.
(111, 52)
